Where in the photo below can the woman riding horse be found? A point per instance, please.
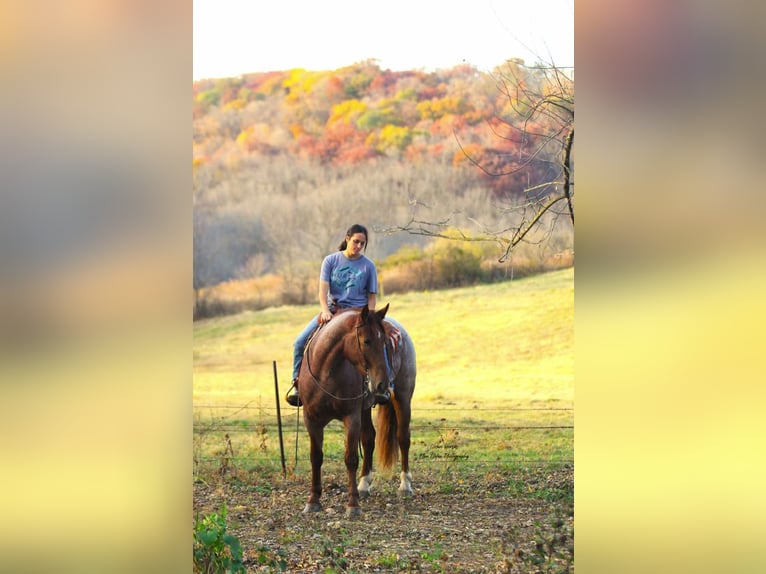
(348, 278)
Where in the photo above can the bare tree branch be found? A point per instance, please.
(535, 129)
(526, 227)
(567, 173)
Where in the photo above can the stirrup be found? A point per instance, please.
(292, 396)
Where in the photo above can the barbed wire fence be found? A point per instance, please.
(229, 438)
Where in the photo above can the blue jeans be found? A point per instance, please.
(300, 344)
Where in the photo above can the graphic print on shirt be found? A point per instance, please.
(347, 277)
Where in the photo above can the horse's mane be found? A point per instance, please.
(343, 322)
(341, 317)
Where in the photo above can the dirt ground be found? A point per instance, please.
(493, 522)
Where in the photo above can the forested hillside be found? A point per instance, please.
(285, 161)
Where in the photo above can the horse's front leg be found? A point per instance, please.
(316, 435)
(353, 427)
(368, 446)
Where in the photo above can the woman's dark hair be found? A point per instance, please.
(356, 228)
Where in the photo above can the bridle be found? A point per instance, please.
(366, 382)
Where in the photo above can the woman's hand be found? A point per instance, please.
(324, 317)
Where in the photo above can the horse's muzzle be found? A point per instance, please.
(382, 395)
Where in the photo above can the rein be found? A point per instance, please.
(365, 383)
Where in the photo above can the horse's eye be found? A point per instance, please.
(367, 341)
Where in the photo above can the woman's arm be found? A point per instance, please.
(371, 300)
(324, 290)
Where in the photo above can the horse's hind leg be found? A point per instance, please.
(404, 414)
(316, 434)
(368, 446)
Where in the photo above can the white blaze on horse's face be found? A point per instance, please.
(371, 343)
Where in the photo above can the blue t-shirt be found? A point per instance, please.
(350, 279)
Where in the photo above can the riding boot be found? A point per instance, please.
(292, 396)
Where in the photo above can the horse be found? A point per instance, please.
(343, 364)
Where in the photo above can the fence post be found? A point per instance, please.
(279, 422)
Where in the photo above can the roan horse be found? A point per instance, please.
(344, 362)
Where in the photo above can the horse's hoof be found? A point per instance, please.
(404, 493)
(353, 511)
(312, 507)
(365, 483)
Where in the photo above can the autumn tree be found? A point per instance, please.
(530, 166)
(283, 161)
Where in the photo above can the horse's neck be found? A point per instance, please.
(330, 350)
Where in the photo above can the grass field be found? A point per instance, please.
(491, 359)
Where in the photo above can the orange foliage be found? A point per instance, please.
(384, 84)
(356, 113)
(436, 150)
(334, 89)
(265, 84)
(340, 143)
(428, 93)
(472, 151)
(415, 153)
(448, 125)
(296, 130)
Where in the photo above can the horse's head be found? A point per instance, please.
(371, 339)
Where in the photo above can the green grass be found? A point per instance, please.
(490, 357)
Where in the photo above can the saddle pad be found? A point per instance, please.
(394, 336)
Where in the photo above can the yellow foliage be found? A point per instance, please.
(390, 136)
(296, 130)
(237, 104)
(244, 136)
(300, 82)
(254, 134)
(434, 109)
(347, 111)
(294, 77)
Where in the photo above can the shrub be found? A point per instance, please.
(456, 264)
(215, 551)
(443, 264)
(411, 276)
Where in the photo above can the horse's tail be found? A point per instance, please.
(386, 444)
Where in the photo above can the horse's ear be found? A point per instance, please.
(365, 313)
(383, 311)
